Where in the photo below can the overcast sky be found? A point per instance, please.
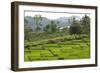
(53, 15)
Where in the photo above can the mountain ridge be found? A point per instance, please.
(61, 21)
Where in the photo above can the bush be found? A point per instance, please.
(60, 58)
(65, 39)
(34, 45)
(27, 46)
(60, 40)
(51, 41)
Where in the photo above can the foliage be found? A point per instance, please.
(25, 20)
(85, 24)
(27, 33)
(75, 27)
(51, 27)
(38, 19)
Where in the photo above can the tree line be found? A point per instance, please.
(81, 26)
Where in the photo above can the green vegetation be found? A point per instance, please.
(51, 27)
(55, 49)
(55, 44)
(38, 19)
(75, 27)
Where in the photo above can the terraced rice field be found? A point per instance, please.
(61, 50)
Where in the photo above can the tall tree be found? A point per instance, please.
(85, 24)
(47, 28)
(51, 27)
(38, 20)
(75, 27)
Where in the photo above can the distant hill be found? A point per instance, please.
(29, 22)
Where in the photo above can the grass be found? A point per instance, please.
(57, 48)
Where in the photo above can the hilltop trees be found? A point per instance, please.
(47, 28)
(81, 26)
(38, 20)
(43, 24)
(85, 24)
(75, 27)
(51, 27)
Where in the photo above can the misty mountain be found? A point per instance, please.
(29, 22)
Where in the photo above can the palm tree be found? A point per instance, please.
(38, 20)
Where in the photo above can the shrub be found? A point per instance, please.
(34, 45)
(51, 41)
(27, 46)
(60, 58)
(65, 39)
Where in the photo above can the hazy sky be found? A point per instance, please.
(53, 15)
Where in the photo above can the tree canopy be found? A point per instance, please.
(75, 27)
(85, 24)
(51, 27)
(38, 19)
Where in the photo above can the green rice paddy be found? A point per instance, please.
(58, 48)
